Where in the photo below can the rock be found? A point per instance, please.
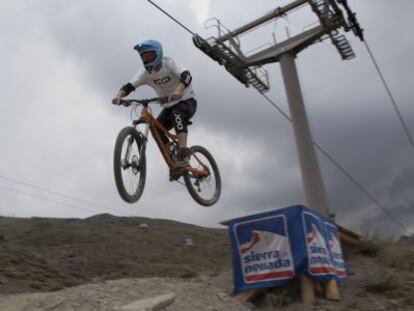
(223, 296)
(394, 302)
(249, 305)
(54, 305)
(189, 242)
(150, 304)
(143, 227)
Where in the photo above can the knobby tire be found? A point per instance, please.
(214, 170)
(122, 136)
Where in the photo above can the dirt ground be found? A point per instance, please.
(50, 254)
(106, 262)
(112, 295)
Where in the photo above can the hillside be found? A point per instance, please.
(103, 262)
(41, 254)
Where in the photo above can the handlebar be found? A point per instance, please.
(144, 102)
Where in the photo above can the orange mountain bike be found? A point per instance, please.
(201, 176)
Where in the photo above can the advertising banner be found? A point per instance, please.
(272, 248)
(334, 245)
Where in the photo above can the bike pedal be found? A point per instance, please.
(175, 175)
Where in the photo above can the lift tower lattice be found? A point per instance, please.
(333, 15)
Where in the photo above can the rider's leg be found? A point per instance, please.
(182, 112)
(182, 139)
(165, 119)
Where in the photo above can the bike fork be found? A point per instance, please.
(124, 161)
(144, 140)
(142, 151)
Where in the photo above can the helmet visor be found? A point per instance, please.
(148, 57)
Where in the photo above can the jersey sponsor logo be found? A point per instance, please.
(264, 249)
(162, 80)
(319, 257)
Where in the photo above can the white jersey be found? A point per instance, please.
(164, 81)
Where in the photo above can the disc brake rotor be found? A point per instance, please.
(135, 164)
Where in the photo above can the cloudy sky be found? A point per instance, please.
(63, 61)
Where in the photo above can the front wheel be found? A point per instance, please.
(130, 164)
(204, 190)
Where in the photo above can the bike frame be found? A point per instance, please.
(156, 128)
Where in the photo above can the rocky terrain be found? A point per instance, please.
(112, 263)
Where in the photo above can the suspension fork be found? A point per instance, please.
(124, 162)
(130, 142)
(144, 140)
(141, 150)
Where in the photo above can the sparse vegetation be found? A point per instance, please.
(370, 248)
(384, 284)
(392, 254)
(395, 280)
(399, 257)
(189, 274)
(391, 286)
(49, 254)
(65, 253)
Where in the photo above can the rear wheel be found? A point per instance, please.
(130, 164)
(204, 190)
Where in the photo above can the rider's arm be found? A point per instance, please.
(182, 74)
(127, 88)
(186, 78)
(177, 93)
(123, 91)
(185, 81)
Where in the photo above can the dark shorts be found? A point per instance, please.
(179, 115)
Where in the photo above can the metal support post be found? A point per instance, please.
(311, 176)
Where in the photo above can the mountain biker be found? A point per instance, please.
(168, 79)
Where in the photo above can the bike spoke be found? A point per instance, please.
(131, 173)
(204, 186)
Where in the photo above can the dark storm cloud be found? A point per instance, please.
(349, 112)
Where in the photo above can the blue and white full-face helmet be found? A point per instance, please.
(151, 54)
